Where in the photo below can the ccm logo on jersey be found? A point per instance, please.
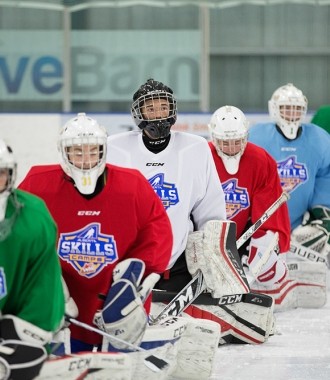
(155, 164)
(88, 213)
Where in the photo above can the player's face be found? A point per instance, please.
(155, 109)
(84, 156)
(231, 147)
(291, 113)
(4, 176)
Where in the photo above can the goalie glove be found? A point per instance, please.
(21, 348)
(274, 268)
(123, 314)
(314, 232)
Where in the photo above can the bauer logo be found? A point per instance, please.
(166, 191)
(87, 250)
(3, 285)
(237, 198)
(292, 173)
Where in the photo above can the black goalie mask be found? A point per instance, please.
(154, 109)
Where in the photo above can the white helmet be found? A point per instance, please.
(7, 162)
(79, 132)
(296, 108)
(229, 123)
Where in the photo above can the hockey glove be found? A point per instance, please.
(21, 348)
(123, 314)
(274, 268)
(314, 233)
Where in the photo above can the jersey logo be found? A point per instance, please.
(3, 285)
(292, 174)
(167, 192)
(87, 250)
(237, 198)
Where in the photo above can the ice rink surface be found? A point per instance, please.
(299, 350)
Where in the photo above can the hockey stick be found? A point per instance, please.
(197, 285)
(153, 362)
(307, 254)
(207, 299)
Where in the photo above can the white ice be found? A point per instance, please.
(300, 350)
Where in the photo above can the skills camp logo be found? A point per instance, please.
(3, 287)
(292, 173)
(87, 250)
(237, 198)
(167, 192)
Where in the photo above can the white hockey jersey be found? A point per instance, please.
(183, 175)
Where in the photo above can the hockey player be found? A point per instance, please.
(31, 295)
(303, 163)
(180, 168)
(250, 183)
(113, 233)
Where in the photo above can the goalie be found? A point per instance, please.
(31, 296)
(105, 214)
(302, 153)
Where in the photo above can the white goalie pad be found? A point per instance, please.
(197, 348)
(114, 366)
(241, 322)
(208, 251)
(312, 283)
(197, 344)
(313, 241)
(305, 286)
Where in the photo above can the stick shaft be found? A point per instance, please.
(197, 285)
(265, 216)
(103, 333)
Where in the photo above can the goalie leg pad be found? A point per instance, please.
(305, 286)
(101, 366)
(197, 348)
(311, 281)
(242, 322)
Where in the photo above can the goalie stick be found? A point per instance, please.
(207, 299)
(197, 285)
(307, 253)
(153, 362)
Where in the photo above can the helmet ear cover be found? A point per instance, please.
(157, 127)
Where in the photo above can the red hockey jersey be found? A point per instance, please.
(251, 191)
(126, 219)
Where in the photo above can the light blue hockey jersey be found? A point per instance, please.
(303, 165)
